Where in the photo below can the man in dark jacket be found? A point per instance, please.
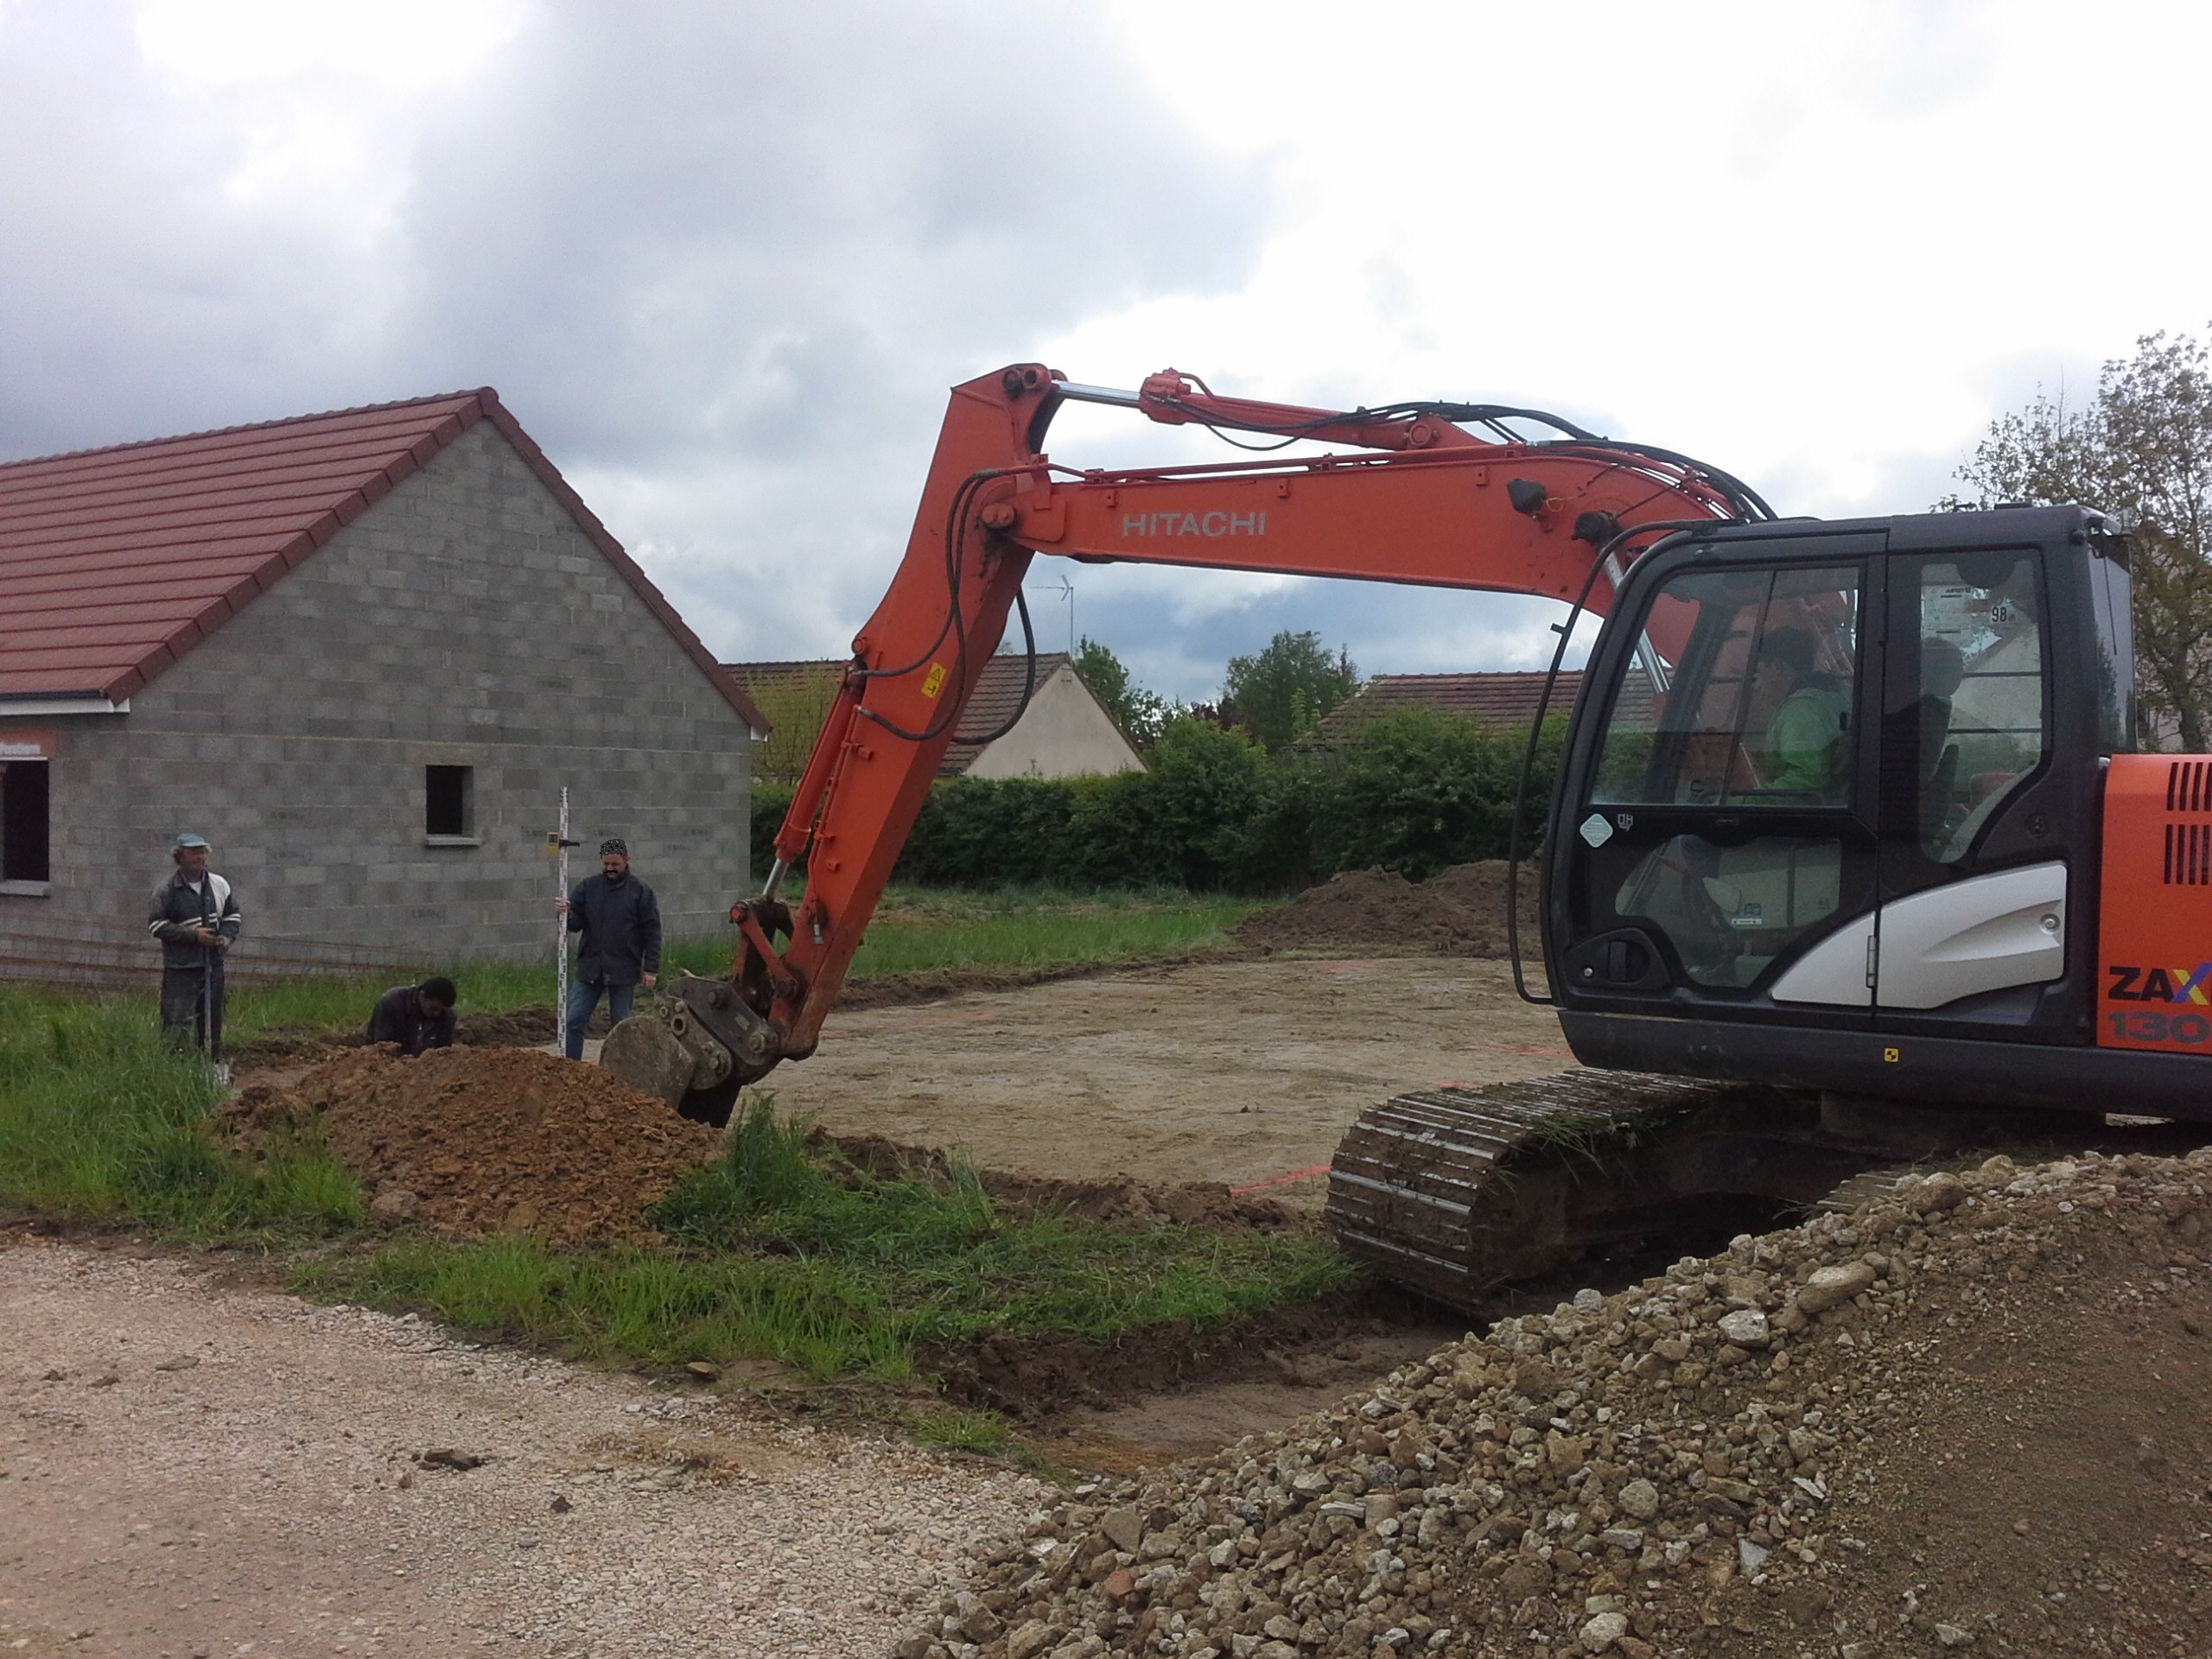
(620, 919)
(415, 1017)
(196, 916)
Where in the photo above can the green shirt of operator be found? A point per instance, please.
(1805, 749)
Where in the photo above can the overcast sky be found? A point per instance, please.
(723, 260)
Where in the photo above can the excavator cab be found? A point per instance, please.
(1833, 806)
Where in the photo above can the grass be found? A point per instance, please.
(785, 1253)
(960, 1430)
(98, 1122)
(914, 930)
(777, 1251)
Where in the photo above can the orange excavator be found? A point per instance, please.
(1848, 857)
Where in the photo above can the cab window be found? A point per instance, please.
(1761, 668)
(1978, 715)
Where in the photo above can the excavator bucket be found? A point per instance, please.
(695, 1047)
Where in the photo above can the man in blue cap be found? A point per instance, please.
(196, 916)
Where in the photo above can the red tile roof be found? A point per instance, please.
(115, 562)
(995, 701)
(1506, 699)
(997, 694)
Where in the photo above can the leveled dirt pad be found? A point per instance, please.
(1970, 1418)
(1239, 1073)
(1457, 913)
(483, 1140)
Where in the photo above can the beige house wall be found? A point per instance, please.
(1063, 734)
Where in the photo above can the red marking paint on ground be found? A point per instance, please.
(1277, 1180)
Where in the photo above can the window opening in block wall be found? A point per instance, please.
(24, 826)
(449, 800)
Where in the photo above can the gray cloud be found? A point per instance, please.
(721, 261)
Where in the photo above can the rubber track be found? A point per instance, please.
(1422, 1184)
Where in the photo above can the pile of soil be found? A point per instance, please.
(1969, 1416)
(1456, 912)
(1122, 1199)
(531, 1027)
(478, 1141)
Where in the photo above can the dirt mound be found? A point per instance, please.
(484, 1139)
(1122, 1199)
(1456, 912)
(1968, 1416)
(531, 1027)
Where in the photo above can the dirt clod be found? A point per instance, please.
(485, 1140)
(1456, 912)
(446, 1457)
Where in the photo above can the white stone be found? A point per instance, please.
(1602, 1631)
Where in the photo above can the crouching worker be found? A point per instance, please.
(415, 1017)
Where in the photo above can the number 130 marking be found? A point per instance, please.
(2147, 1027)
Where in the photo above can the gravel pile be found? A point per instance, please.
(1751, 1454)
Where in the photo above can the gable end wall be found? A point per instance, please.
(463, 620)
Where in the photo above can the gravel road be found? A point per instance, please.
(189, 1468)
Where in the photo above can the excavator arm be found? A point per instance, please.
(1423, 500)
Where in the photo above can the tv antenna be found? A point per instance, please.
(1066, 590)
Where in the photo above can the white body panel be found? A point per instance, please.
(1835, 971)
(1983, 934)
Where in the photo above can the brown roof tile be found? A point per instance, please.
(1506, 699)
(996, 700)
(115, 562)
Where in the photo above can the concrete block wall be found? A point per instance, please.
(463, 620)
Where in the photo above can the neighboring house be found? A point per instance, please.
(1065, 732)
(361, 653)
(1506, 701)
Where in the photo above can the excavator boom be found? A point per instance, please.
(1429, 503)
(1421, 499)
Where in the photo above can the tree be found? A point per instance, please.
(796, 706)
(2141, 450)
(1282, 694)
(1141, 715)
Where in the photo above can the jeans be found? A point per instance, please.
(584, 997)
(192, 1008)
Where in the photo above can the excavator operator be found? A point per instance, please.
(1806, 711)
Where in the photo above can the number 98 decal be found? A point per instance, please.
(2145, 1026)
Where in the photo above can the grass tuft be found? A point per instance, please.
(962, 1430)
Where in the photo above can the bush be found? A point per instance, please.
(979, 832)
(1413, 791)
(1417, 791)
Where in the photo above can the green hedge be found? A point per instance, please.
(1412, 791)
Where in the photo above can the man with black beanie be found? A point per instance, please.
(417, 1017)
(619, 919)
